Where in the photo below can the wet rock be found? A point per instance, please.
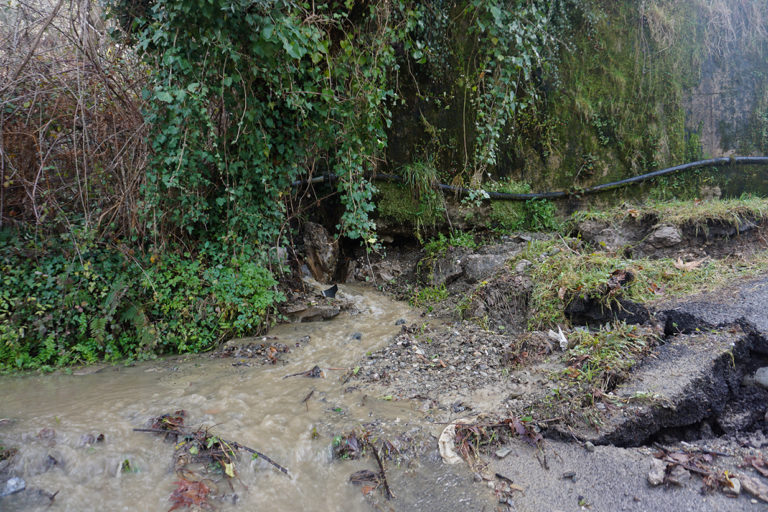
(761, 377)
(322, 252)
(665, 236)
(12, 486)
(679, 476)
(400, 321)
(357, 336)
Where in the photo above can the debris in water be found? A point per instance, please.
(306, 399)
(202, 446)
(369, 480)
(189, 494)
(314, 373)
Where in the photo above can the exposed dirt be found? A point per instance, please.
(690, 391)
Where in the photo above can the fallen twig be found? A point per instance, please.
(233, 444)
(314, 372)
(306, 399)
(382, 473)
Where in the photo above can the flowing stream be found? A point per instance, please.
(49, 418)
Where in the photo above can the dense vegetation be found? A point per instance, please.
(157, 155)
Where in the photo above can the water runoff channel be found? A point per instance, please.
(53, 419)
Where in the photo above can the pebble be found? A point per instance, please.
(400, 322)
(503, 452)
(735, 490)
(656, 474)
(12, 486)
(679, 476)
(761, 376)
(589, 446)
(357, 336)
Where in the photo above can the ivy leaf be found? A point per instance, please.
(164, 96)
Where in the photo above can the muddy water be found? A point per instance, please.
(252, 405)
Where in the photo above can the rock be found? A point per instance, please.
(679, 476)
(480, 266)
(589, 446)
(12, 486)
(446, 270)
(761, 377)
(322, 253)
(503, 452)
(656, 473)
(522, 265)
(357, 336)
(665, 236)
(734, 489)
(400, 321)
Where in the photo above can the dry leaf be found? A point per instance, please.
(687, 267)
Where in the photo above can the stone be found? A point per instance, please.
(656, 473)
(522, 265)
(734, 489)
(322, 252)
(12, 486)
(446, 270)
(665, 236)
(589, 446)
(679, 476)
(761, 377)
(477, 267)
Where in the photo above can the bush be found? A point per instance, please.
(71, 306)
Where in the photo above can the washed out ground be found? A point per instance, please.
(629, 344)
(610, 366)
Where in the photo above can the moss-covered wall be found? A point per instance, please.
(645, 85)
(635, 86)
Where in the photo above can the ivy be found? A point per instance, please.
(247, 97)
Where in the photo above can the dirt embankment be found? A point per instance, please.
(617, 386)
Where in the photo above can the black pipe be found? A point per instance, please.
(739, 160)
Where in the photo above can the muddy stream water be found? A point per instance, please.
(255, 406)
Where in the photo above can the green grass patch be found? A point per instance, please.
(732, 211)
(562, 268)
(428, 296)
(600, 359)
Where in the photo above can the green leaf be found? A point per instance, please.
(164, 96)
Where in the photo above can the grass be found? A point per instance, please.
(600, 360)
(678, 213)
(428, 297)
(562, 269)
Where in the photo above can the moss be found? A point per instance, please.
(398, 203)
